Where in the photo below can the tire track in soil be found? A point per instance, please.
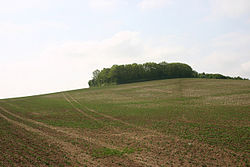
(70, 134)
(74, 152)
(89, 116)
(74, 135)
(140, 159)
(118, 120)
(152, 132)
(152, 159)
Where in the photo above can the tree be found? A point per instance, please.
(95, 74)
(120, 74)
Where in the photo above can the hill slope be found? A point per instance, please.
(158, 123)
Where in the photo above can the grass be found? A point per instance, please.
(106, 152)
(156, 116)
(178, 112)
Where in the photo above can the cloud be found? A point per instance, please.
(70, 64)
(221, 61)
(229, 55)
(232, 40)
(230, 8)
(41, 75)
(122, 47)
(246, 68)
(153, 4)
(106, 5)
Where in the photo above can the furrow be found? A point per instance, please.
(70, 134)
(72, 150)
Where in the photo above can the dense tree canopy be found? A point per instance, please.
(119, 74)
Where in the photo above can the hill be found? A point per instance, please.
(182, 122)
(130, 73)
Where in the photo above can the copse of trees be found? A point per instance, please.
(120, 74)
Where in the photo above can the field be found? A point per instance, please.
(175, 122)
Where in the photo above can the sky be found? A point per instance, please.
(55, 45)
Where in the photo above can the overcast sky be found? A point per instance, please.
(55, 45)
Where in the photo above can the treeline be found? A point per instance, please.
(120, 74)
(217, 76)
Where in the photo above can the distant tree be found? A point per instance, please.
(96, 73)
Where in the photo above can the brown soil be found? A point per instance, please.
(152, 148)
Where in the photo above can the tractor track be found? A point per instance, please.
(153, 161)
(73, 151)
(151, 132)
(68, 147)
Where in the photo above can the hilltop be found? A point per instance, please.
(182, 122)
(130, 73)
